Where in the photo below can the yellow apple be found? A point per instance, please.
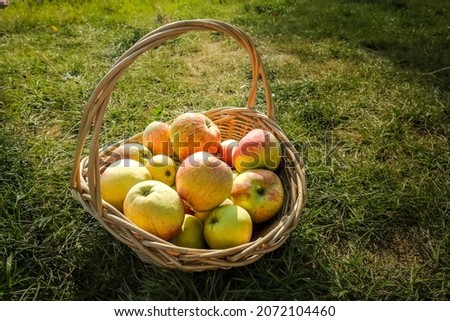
(156, 137)
(162, 168)
(135, 151)
(191, 233)
(118, 178)
(194, 132)
(227, 226)
(257, 149)
(154, 207)
(260, 192)
(203, 181)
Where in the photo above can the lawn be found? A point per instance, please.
(360, 87)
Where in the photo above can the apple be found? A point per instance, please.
(193, 132)
(257, 149)
(227, 150)
(156, 137)
(203, 181)
(187, 208)
(227, 226)
(154, 207)
(135, 151)
(260, 192)
(118, 178)
(191, 233)
(162, 168)
(202, 216)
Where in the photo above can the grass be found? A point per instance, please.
(360, 87)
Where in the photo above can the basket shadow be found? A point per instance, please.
(285, 274)
(111, 271)
(282, 275)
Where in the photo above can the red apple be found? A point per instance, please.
(156, 137)
(227, 150)
(257, 149)
(203, 181)
(187, 208)
(194, 132)
(260, 192)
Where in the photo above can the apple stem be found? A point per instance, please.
(259, 190)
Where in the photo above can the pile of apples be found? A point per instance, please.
(186, 185)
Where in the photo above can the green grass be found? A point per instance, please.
(360, 87)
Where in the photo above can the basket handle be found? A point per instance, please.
(95, 108)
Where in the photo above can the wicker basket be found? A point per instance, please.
(233, 123)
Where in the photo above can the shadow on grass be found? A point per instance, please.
(301, 269)
(285, 274)
(412, 34)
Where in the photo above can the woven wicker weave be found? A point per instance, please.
(233, 123)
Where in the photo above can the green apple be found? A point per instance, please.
(257, 149)
(118, 178)
(134, 151)
(203, 181)
(202, 216)
(154, 207)
(227, 226)
(260, 192)
(191, 233)
(156, 137)
(162, 168)
(194, 132)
